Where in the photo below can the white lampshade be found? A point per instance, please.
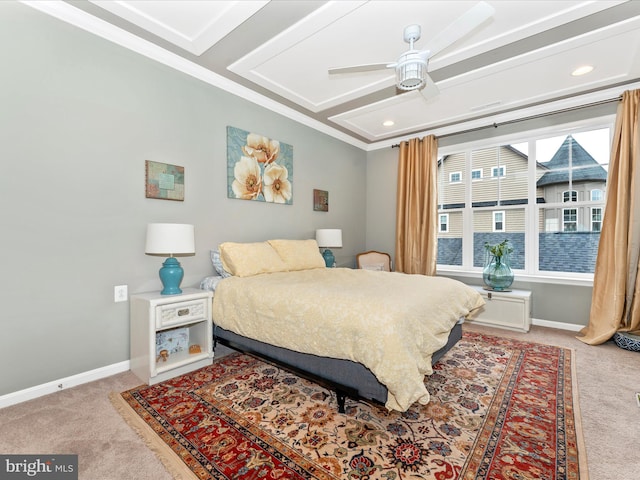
(329, 237)
(170, 239)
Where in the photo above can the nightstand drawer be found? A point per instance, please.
(178, 313)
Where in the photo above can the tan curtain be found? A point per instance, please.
(417, 207)
(615, 305)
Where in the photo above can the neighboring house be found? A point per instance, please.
(573, 176)
(499, 179)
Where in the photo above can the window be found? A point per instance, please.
(498, 222)
(570, 196)
(455, 177)
(451, 202)
(596, 219)
(444, 222)
(569, 220)
(498, 171)
(546, 196)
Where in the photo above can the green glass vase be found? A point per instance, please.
(497, 274)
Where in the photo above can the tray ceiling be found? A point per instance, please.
(279, 50)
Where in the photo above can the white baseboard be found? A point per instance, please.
(63, 383)
(558, 325)
(98, 373)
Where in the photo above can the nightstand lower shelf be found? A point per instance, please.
(164, 329)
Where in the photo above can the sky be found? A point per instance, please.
(596, 142)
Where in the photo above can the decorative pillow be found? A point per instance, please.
(374, 266)
(217, 264)
(299, 254)
(247, 259)
(210, 283)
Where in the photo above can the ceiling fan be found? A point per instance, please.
(412, 66)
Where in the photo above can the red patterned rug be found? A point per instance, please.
(500, 409)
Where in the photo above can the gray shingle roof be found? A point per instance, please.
(584, 167)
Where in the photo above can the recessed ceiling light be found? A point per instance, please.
(388, 123)
(583, 70)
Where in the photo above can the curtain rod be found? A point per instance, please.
(531, 117)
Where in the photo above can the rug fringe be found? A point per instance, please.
(174, 465)
(583, 464)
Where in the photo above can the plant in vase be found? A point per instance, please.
(497, 273)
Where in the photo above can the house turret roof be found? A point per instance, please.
(584, 167)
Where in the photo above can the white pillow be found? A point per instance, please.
(210, 283)
(217, 264)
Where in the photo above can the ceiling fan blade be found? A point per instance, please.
(465, 24)
(359, 68)
(430, 90)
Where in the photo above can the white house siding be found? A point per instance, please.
(455, 225)
(513, 186)
(514, 220)
(451, 193)
(553, 216)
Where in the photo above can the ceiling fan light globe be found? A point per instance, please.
(411, 75)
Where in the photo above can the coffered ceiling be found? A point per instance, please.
(279, 52)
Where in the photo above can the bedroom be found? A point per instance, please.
(76, 133)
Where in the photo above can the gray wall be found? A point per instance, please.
(80, 115)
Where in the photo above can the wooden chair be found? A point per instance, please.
(373, 260)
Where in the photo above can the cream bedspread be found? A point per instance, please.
(390, 322)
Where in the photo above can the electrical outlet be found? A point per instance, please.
(120, 293)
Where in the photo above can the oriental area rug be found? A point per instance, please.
(499, 409)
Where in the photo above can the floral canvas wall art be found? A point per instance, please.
(258, 167)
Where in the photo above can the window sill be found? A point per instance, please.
(521, 277)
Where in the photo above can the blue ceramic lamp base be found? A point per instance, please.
(329, 259)
(171, 275)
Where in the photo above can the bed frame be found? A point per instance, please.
(347, 378)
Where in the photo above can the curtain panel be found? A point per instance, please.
(615, 304)
(417, 207)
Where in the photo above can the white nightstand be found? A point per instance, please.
(510, 310)
(175, 321)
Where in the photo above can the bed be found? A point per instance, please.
(371, 334)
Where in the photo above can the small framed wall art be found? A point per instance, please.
(164, 181)
(320, 200)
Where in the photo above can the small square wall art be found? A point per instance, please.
(164, 181)
(258, 167)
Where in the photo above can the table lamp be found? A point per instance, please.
(170, 240)
(329, 237)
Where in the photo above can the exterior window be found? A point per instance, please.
(455, 177)
(498, 222)
(570, 196)
(570, 220)
(444, 222)
(498, 171)
(596, 219)
(550, 204)
(451, 204)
